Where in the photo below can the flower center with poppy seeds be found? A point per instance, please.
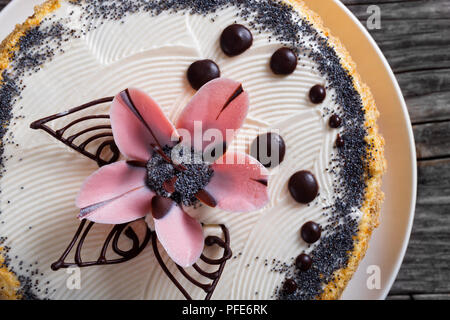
(178, 173)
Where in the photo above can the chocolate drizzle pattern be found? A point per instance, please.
(138, 246)
(104, 138)
(113, 237)
(214, 277)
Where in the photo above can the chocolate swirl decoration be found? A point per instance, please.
(113, 237)
(213, 277)
(103, 138)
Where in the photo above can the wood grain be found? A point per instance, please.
(414, 37)
(432, 140)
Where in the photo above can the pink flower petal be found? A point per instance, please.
(239, 183)
(138, 122)
(110, 182)
(220, 104)
(131, 206)
(180, 234)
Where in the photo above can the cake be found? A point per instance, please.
(79, 82)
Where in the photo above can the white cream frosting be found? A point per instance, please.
(153, 53)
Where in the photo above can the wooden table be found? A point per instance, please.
(415, 38)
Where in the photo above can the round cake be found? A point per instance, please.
(96, 98)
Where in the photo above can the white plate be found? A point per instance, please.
(389, 241)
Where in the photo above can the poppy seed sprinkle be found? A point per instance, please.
(188, 182)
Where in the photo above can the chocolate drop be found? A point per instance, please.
(235, 39)
(335, 121)
(269, 149)
(169, 185)
(289, 286)
(136, 163)
(310, 232)
(303, 262)
(339, 141)
(161, 206)
(283, 61)
(206, 198)
(317, 94)
(201, 72)
(303, 187)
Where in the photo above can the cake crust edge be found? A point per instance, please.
(9, 284)
(376, 165)
(10, 43)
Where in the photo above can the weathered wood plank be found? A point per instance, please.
(426, 267)
(411, 45)
(434, 106)
(432, 140)
(403, 10)
(349, 3)
(427, 94)
(433, 296)
(443, 296)
(399, 297)
(414, 38)
(434, 186)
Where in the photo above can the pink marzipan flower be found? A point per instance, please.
(118, 193)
